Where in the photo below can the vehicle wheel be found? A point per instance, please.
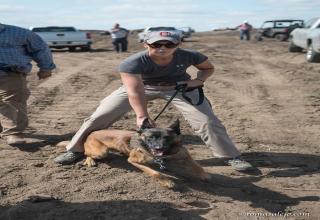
(86, 48)
(312, 56)
(258, 37)
(293, 47)
(281, 37)
(72, 49)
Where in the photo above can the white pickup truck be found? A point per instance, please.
(308, 38)
(64, 37)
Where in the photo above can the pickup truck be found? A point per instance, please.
(64, 37)
(308, 38)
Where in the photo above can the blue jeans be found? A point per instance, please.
(120, 44)
(244, 34)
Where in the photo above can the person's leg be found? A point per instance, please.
(248, 35)
(241, 34)
(206, 125)
(124, 44)
(13, 103)
(115, 43)
(121, 44)
(23, 112)
(209, 128)
(112, 108)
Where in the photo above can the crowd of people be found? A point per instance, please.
(145, 76)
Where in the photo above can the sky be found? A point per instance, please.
(201, 15)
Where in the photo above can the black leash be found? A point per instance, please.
(183, 89)
(161, 163)
(179, 88)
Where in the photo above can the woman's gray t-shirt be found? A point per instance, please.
(175, 71)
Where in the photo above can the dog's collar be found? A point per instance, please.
(160, 160)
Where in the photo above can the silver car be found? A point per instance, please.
(308, 38)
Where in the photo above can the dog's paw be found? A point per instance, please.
(166, 182)
(206, 177)
(62, 143)
(89, 162)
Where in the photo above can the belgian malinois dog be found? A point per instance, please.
(147, 147)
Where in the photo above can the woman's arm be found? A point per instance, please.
(136, 95)
(205, 70)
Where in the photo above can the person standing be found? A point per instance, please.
(119, 37)
(245, 29)
(154, 74)
(18, 47)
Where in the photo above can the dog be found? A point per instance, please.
(148, 146)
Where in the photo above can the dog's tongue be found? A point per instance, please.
(157, 152)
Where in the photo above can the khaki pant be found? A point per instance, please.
(13, 103)
(201, 118)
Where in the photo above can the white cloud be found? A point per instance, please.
(11, 9)
(293, 4)
(161, 8)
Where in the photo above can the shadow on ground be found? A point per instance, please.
(37, 141)
(287, 164)
(244, 190)
(237, 189)
(39, 209)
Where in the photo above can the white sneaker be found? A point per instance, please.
(240, 164)
(14, 139)
(68, 157)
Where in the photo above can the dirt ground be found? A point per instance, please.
(268, 99)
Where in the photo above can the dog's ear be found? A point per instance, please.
(145, 125)
(175, 126)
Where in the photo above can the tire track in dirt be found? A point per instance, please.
(284, 97)
(65, 99)
(67, 66)
(271, 98)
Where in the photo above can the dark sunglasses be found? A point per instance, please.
(167, 45)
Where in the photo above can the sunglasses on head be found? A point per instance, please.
(167, 45)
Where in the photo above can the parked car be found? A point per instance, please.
(141, 35)
(64, 37)
(279, 29)
(186, 32)
(308, 38)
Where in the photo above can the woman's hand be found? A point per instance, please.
(194, 83)
(142, 125)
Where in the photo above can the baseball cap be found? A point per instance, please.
(155, 36)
